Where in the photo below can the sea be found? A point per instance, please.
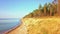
(7, 24)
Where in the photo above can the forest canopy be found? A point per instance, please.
(49, 9)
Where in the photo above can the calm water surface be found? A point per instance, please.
(7, 24)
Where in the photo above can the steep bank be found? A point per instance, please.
(38, 26)
(42, 25)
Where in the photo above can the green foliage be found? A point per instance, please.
(49, 9)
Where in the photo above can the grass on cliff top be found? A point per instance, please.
(49, 25)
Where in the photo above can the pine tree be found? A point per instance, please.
(45, 9)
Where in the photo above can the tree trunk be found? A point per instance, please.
(58, 8)
(44, 10)
(50, 11)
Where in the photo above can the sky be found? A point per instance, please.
(19, 8)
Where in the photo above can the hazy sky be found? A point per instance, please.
(18, 8)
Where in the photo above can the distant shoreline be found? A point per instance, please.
(8, 18)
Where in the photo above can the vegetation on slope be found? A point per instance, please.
(49, 9)
(42, 25)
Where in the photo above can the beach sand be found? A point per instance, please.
(21, 29)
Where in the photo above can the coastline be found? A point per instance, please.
(38, 23)
(15, 27)
(15, 30)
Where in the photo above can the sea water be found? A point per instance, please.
(8, 23)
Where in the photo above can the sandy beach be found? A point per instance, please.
(21, 29)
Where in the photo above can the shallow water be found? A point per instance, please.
(7, 24)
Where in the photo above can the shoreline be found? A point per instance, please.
(15, 27)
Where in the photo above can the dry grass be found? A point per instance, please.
(42, 25)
